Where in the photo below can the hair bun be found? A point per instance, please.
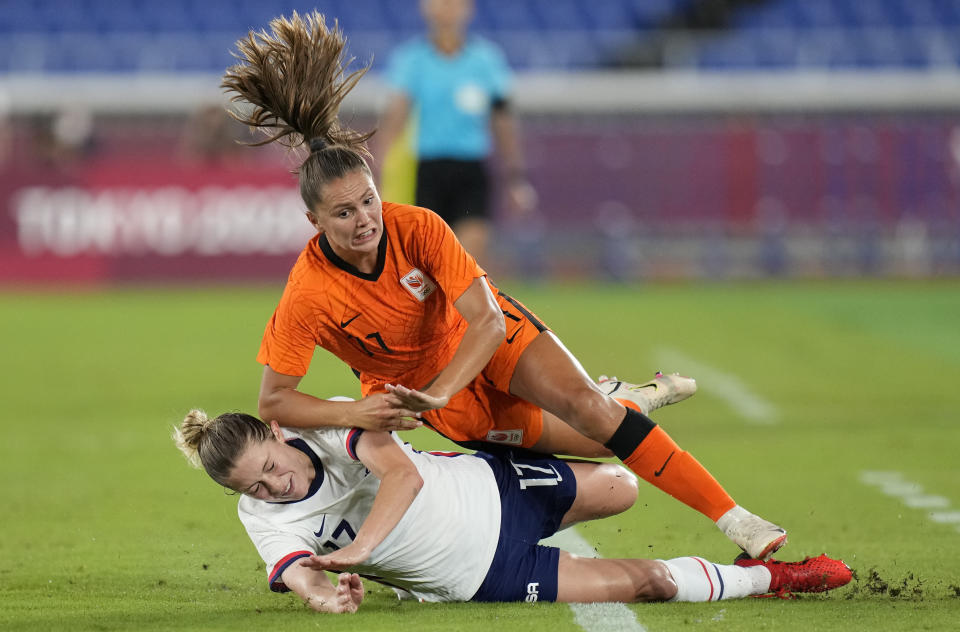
(188, 435)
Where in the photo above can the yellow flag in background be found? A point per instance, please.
(399, 174)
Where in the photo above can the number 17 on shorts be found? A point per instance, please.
(536, 476)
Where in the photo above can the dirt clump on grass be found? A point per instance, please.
(910, 587)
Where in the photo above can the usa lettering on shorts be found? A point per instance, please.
(418, 284)
(533, 591)
(510, 437)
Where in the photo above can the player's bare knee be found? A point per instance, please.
(619, 489)
(623, 487)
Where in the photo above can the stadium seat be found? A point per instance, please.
(649, 13)
(123, 20)
(611, 15)
(559, 15)
(359, 17)
(777, 33)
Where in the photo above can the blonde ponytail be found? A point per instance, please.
(189, 435)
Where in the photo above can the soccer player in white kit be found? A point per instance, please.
(447, 526)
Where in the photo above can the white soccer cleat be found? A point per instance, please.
(759, 538)
(404, 595)
(661, 391)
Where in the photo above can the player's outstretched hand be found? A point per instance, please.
(383, 411)
(349, 592)
(416, 400)
(347, 595)
(346, 557)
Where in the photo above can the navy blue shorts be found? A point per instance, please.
(535, 494)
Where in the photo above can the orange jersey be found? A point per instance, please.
(397, 324)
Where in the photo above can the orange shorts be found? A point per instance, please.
(485, 410)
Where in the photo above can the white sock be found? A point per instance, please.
(732, 517)
(700, 580)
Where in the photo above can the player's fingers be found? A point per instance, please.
(315, 562)
(402, 423)
(396, 404)
(400, 390)
(392, 400)
(344, 596)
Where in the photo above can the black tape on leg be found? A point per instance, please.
(632, 431)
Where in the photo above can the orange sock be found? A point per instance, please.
(660, 461)
(626, 403)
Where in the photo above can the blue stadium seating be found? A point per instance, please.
(838, 34)
(535, 33)
(130, 35)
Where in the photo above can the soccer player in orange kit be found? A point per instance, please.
(388, 289)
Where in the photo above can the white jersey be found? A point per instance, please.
(440, 550)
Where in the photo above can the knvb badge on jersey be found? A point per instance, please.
(418, 284)
(510, 437)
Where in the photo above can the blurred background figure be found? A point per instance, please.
(66, 139)
(211, 136)
(6, 136)
(457, 87)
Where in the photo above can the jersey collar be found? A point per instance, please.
(301, 445)
(335, 259)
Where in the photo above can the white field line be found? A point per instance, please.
(748, 405)
(912, 495)
(594, 617)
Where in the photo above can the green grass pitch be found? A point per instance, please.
(104, 527)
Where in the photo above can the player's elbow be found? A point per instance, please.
(413, 480)
(497, 326)
(266, 405)
(407, 479)
(269, 403)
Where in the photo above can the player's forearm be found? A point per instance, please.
(314, 587)
(293, 409)
(507, 140)
(479, 343)
(321, 599)
(398, 489)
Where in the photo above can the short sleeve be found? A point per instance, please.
(444, 258)
(288, 340)
(338, 445)
(278, 549)
(501, 78)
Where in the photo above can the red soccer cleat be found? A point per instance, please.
(813, 574)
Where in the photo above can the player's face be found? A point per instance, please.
(273, 471)
(447, 14)
(351, 216)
